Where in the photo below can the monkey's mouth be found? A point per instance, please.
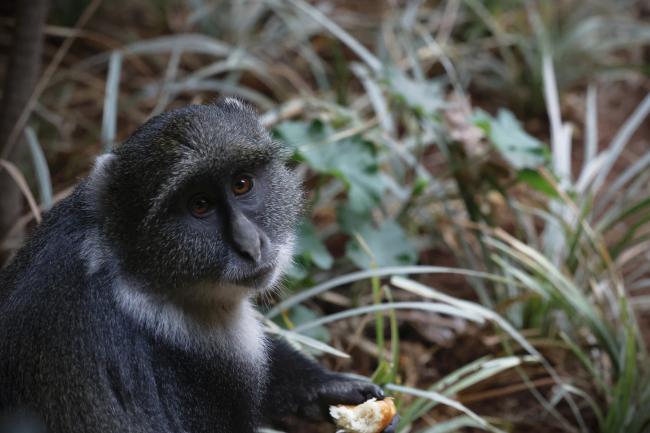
(257, 280)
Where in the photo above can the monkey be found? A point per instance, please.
(130, 307)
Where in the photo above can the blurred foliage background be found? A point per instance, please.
(477, 236)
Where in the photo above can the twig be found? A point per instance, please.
(18, 177)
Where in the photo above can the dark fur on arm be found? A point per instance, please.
(299, 386)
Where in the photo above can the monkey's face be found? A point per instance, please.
(201, 198)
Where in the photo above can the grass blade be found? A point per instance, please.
(379, 272)
(109, 117)
(42, 171)
(305, 340)
(431, 307)
(316, 15)
(621, 139)
(439, 398)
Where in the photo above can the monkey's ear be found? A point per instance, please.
(101, 173)
(235, 103)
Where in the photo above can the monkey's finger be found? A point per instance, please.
(350, 392)
(372, 391)
(344, 392)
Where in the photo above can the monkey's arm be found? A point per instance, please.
(299, 386)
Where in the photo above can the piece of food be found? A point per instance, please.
(373, 416)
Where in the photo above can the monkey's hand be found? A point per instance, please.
(340, 389)
(299, 386)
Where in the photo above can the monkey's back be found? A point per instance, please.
(70, 356)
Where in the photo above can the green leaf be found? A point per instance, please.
(298, 271)
(296, 134)
(419, 186)
(519, 148)
(483, 120)
(424, 97)
(388, 246)
(354, 162)
(311, 248)
(534, 179)
(350, 220)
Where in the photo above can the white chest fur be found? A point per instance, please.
(234, 330)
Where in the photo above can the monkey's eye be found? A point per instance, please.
(241, 184)
(200, 205)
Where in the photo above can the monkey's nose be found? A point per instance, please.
(246, 237)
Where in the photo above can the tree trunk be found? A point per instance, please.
(20, 79)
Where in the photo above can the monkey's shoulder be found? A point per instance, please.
(51, 250)
(58, 346)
